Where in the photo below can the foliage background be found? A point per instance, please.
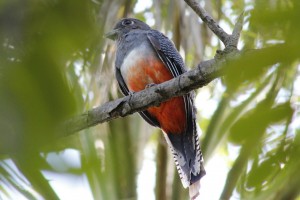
(55, 63)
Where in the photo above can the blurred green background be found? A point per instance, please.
(55, 63)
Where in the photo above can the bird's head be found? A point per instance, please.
(126, 25)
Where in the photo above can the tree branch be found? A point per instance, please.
(204, 73)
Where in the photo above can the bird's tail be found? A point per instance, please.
(194, 190)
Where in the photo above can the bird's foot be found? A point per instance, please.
(131, 93)
(151, 85)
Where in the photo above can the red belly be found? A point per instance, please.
(170, 114)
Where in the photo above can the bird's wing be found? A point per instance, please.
(185, 147)
(167, 52)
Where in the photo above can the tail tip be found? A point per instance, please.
(194, 190)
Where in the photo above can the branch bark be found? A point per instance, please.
(204, 73)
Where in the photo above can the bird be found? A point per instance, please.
(146, 57)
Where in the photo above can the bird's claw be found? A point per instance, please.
(150, 85)
(130, 93)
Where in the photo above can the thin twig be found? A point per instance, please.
(209, 21)
(235, 36)
(228, 40)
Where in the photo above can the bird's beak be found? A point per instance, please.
(112, 34)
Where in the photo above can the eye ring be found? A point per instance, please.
(127, 22)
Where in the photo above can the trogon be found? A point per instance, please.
(145, 57)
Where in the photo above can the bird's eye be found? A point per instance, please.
(127, 22)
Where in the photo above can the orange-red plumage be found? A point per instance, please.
(171, 114)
